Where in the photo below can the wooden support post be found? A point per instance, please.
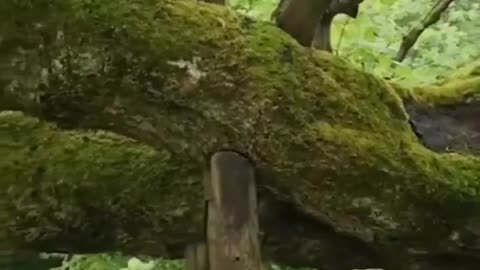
(196, 257)
(232, 225)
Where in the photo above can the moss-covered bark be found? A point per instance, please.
(462, 86)
(189, 78)
(446, 114)
(91, 191)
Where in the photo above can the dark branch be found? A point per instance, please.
(432, 17)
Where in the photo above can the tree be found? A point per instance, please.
(309, 21)
(345, 182)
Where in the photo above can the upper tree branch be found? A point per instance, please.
(432, 17)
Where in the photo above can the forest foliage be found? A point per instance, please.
(372, 40)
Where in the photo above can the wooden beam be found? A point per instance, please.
(196, 257)
(232, 231)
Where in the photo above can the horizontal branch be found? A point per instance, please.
(90, 192)
(185, 79)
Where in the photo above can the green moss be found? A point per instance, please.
(451, 92)
(461, 86)
(405, 93)
(333, 136)
(88, 182)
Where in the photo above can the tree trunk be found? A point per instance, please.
(321, 38)
(344, 181)
(299, 18)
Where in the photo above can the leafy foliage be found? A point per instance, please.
(372, 39)
(116, 262)
(113, 262)
(260, 9)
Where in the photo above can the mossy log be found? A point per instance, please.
(445, 115)
(344, 180)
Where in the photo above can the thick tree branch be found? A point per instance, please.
(329, 141)
(309, 21)
(322, 36)
(87, 192)
(299, 18)
(432, 17)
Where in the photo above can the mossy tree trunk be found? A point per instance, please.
(344, 181)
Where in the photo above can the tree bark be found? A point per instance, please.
(232, 223)
(309, 21)
(322, 37)
(341, 173)
(299, 18)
